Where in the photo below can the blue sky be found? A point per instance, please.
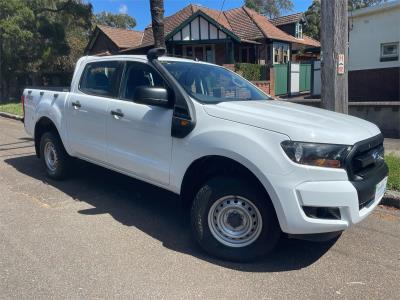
(140, 9)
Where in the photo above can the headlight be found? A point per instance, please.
(313, 154)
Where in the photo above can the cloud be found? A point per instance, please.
(123, 9)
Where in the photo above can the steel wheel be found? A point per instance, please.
(235, 221)
(50, 156)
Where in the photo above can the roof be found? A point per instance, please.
(289, 19)
(243, 23)
(122, 38)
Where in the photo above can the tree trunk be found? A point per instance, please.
(157, 20)
(334, 41)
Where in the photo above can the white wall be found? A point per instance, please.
(367, 34)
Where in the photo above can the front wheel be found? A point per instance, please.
(234, 219)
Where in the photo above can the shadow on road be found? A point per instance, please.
(158, 213)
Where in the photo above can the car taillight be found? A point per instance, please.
(23, 105)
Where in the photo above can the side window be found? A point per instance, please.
(139, 74)
(101, 78)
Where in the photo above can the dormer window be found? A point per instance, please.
(299, 30)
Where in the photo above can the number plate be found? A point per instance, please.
(380, 189)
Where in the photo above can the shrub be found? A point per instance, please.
(251, 72)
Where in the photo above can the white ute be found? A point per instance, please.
(249, 167)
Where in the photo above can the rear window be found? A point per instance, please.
(101, 78)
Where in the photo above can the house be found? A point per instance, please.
(374, 65)
(221, 37)
(293, 24)
(110, 40)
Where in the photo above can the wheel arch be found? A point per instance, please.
(208, 166)
(44, 124)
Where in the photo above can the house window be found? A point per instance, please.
(299, 31)
(243, 54)
(276, 55)
(200, 52)
(389, 51)
(189, 52)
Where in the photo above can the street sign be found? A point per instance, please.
(340, 64)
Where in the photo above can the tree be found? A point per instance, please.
(313, 20)
(36, 36)
(356, 4)
(313, 14)
(115, 20)
(157, 21)
(270, 8)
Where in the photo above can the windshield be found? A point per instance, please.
(212, 84)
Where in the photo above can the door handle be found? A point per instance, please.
(76, 105)
(117, 114)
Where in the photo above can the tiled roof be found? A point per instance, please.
(267, 28)
(123, 38)
(287, 19)
(173, 21)
(243, 22)
(306, 40)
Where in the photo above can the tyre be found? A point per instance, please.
(234, 219)
(53, 155)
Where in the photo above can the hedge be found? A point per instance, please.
(251, 72)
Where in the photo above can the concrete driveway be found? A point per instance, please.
(104, 235)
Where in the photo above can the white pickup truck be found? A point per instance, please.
(249, 167)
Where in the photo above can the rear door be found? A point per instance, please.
(87, 109)
(139, 135)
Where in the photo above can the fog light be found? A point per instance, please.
(329, 213)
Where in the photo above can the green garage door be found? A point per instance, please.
(281, 79)
(305, 77)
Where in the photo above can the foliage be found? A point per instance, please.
(313, 14)
(12, 108)
(41, 35)
(115, 20)
(394, 172)
(270, 8)
(356, 4)
(313, 20)
(252, 72)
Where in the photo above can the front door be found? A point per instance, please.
(139, 135)
(198, 53)
(87, 110)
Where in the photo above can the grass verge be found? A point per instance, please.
(14, 108)
(394, 172)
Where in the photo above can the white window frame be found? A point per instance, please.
(394, 56)
(299, 30)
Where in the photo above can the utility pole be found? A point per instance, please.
(334, 43)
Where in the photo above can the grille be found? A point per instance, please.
(364, 157)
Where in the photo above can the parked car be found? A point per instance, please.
(249, 167)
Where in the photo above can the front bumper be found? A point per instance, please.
(354, 200)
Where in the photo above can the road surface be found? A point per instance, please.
(104, 235)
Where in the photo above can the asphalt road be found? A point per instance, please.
(104, 235)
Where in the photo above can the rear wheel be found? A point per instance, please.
(234, 219)
(54, 157)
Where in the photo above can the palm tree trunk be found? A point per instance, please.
(157, 18)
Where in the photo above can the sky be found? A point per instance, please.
(140, 9)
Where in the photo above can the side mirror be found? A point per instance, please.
(157, 96)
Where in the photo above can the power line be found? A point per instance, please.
(220, 11)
